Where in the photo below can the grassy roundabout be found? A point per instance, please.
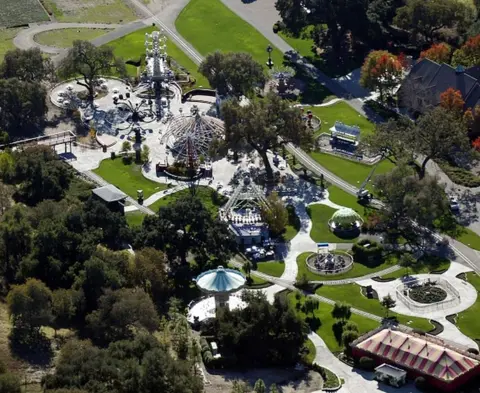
(132, 47)
(325, 329)
(273, 268)
(63, 38)
(209, 25)
(358, 270)
(468, 321)
(127, 177)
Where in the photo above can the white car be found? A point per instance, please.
(454, 206)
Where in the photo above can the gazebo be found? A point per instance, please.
(220, 283)
(345, 219)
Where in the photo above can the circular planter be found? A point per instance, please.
(427, 294)
(337, 267)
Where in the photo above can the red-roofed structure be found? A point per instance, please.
(443, 366)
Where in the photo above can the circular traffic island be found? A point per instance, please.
(427, 293)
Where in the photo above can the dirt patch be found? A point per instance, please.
(95, 11)
(287, 381)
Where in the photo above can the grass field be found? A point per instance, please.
(469, 238)
(134, 219)
(132, 46)
(424, 265)
(467, 321)
(325, 330)
(350, 171)
(320, 232)
(64, 38)
(127, 178)
(340, 197)
(274, 268)
(90, 11)
(6, 40)
(311, 352)
(358, 270)
(302, 44)
(21, 12)
(351, 294)
(341, 111)
(209, 25)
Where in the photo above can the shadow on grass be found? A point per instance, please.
(31, 345)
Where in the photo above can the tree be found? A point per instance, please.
(452, 101)
(240, 387)
(388, 302)
(381, 71)
(90, 62)
(348, 336)
(260, 124)
(120, 312)
(293, 14)
(469, 54)
(65, 303)
(247, 268)
(440, 53)
(275, 214)
(476, 143)
(30, 305)
(126, 147)
(273, 388)
(9, 383)
(24, 106)
(341, 311)
(260, 386)
(428, 17)
(407, 260)
(232, 73)
(6, 193)
(27, 65)
(437, 133)
(311, 304)
(145, 154)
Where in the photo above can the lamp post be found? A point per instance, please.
(269, 62)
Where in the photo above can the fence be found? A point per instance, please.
(453, 301)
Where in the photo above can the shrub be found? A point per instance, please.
(207, 358)
(473, 350)
(369, 256)
(420, 383)
(366, 363)
(127, 160)
(461, 176)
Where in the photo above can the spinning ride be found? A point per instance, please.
(189, 137)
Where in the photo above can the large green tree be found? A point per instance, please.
(86, 63)
(275, 214)
(233, 73)
(263, 125)
(428, 17)
(293, 14)
(27, 65)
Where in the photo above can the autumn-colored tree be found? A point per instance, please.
(381, 71)
(452, 101)
(469, 54)
(441, 53)
(476, 144)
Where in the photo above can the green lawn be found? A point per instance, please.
(63, 38)
(311, 352)
(206, 195)
(274, 268)
(468, 321)
(325, 330)
(6, 40)
(128, 178)
(135, 218)
(358, 270)
(302, 44)
(209, 25)
(320, 232)
(132, 47)
(343, 198)
(350, 171)
(469, 238)
(426, 264)
(344, 113)
(112, 11)
(351, 294)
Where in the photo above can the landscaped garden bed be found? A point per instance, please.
(427, 293)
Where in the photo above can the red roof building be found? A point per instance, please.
(443, 366)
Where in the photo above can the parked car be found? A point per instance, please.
(454, 206)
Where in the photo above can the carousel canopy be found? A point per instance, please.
(220, 280)
(345, 216)
(417, 353)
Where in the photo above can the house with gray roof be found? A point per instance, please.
(427, 80)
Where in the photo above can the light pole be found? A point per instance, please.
(269, 62)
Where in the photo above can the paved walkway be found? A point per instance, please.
(356, 381)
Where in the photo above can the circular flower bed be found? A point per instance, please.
(427, 294)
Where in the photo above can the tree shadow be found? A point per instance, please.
(337, 329)
(31, 345)
(313, 322)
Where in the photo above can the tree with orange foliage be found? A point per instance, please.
(452, 101)
(476, 144)
(441, 53)
(469, 54)
(381, 72)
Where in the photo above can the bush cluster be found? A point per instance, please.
(366, 363)
(461, 176)
(369, 256)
